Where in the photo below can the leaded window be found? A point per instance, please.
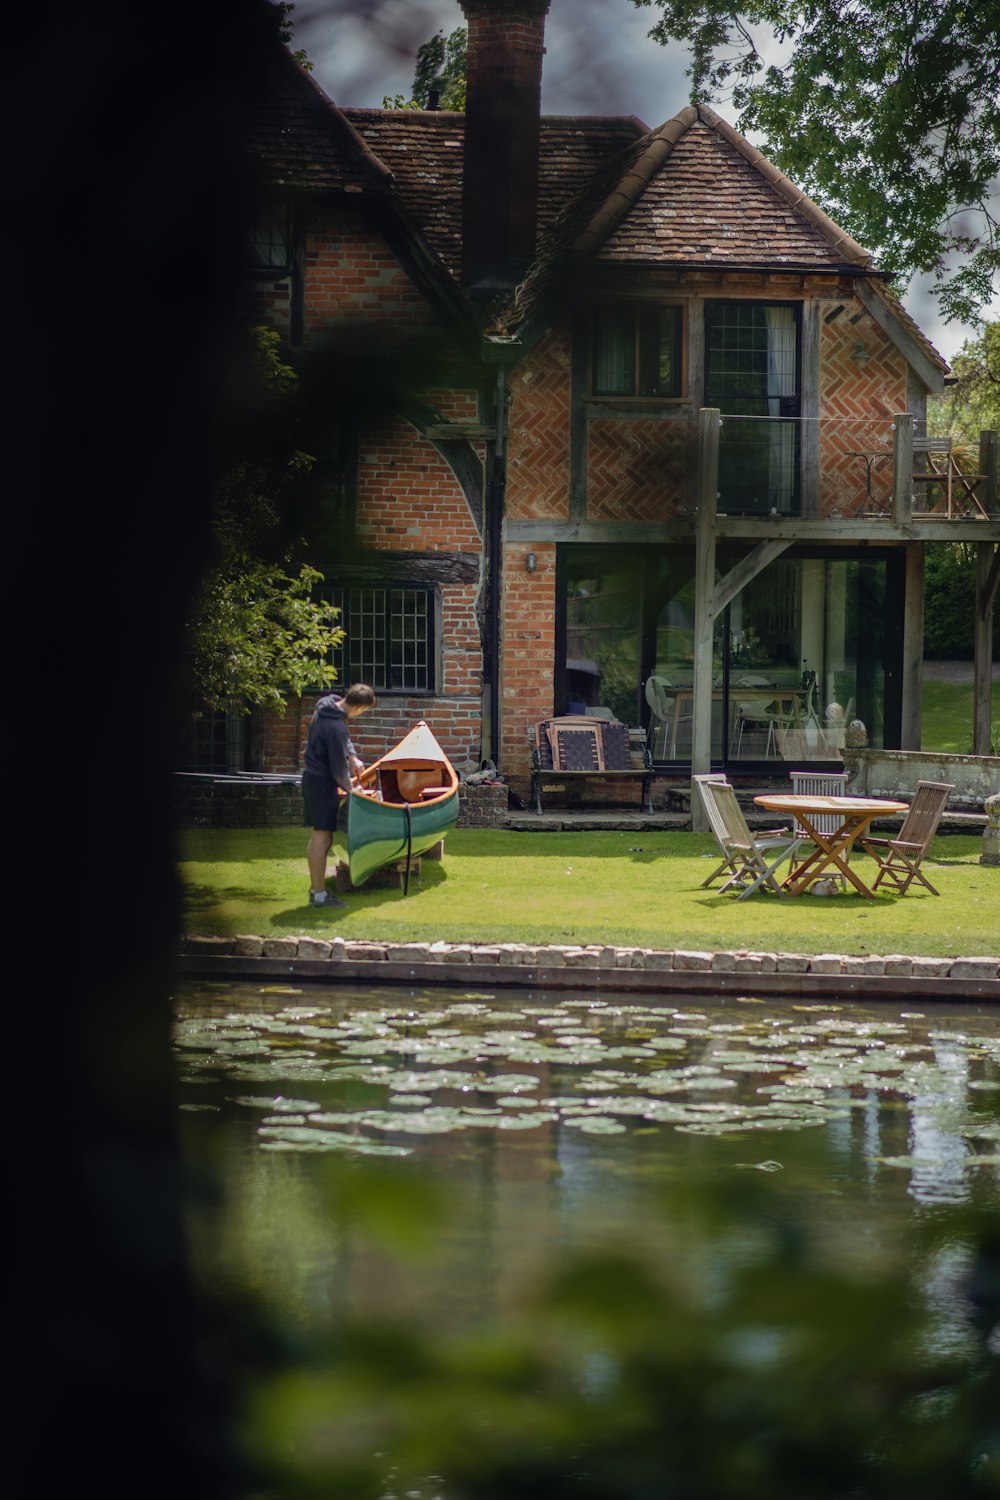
(388, 637)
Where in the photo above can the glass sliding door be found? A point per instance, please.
(752, 377)
(599, 644)
(807, 646)
(806, 653)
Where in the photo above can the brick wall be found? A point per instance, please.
(353, 278)
(538, 467)
(639, 470)
(408, 496)
(528, 638)
(857, 405)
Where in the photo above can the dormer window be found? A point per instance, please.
(269, 241)
(637, 350)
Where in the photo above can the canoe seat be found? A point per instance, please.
(413, 784)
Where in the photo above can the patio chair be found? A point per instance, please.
(747, 857)
(900, 858)
(819, 784)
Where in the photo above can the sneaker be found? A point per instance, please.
(323, 898)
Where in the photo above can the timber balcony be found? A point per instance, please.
(904, 487)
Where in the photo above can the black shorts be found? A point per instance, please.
(322, 802)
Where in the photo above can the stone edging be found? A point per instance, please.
(595, 966)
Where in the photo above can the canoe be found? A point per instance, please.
(399, 807)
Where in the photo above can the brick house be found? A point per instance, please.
(605, 417)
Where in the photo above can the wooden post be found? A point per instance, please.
(709, 424)
(913, 644)
(988, 445)
(987, 557)
(902, 468)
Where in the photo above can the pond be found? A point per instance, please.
(430, 1160)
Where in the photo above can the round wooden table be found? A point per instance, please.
(854, 815)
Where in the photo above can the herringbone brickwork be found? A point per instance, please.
(538, 452)
(858, 401)
(638, 470)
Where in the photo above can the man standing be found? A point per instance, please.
(330, 761)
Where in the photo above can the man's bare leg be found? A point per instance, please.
(317, 852)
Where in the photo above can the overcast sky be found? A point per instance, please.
(599, 60)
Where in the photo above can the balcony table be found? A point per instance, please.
(855, 814)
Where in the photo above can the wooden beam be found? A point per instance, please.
(989, 442)
(709, 424)
(902, 468)
(454, 432)
(986, 579)
(744, 572)
(916, 357)
(913, 646)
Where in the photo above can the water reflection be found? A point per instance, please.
(561, 1124)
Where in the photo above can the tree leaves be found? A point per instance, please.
(887, 115)
(258, 632)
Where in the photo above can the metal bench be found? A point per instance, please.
(577, 747)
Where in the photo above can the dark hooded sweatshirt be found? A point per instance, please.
(328, 747)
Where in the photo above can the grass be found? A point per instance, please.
(608, 887)
(947, 717)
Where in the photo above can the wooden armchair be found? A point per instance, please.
(900, 858)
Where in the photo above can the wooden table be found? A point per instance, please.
(833, 850)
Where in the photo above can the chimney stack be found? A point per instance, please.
(502, 129)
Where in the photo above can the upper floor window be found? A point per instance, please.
(637, 349)
(269, 241)
(389, 638)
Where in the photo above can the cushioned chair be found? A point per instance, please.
(900, 858)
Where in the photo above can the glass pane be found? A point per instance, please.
(806, 656)
(614, 351)
(752, 373)
(603, 635)
(669, 687)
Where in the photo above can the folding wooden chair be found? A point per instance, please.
(819, 784)
(746, 857)
(900, 858)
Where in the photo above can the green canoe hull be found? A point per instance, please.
(379, 833)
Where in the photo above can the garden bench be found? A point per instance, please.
(576, 747)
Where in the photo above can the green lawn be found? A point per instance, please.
(946, 711)
(608, 887)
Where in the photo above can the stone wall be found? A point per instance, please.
(205, 803)
(895, 773)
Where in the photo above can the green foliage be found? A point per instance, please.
(888, 115)
(755, 1364)
(950, 603)
(972, 403)
(256, 631)
(441, 70)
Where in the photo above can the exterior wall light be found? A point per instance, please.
(860, 355)
(530, 562)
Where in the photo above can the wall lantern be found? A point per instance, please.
(860, 354)
(530, 562)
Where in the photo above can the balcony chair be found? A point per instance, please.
(900, 858)
(747, 857)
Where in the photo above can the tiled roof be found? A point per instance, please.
(301, 140)
(708, 204)
(693, 192)
(423, 149)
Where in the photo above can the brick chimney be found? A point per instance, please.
(503, 104)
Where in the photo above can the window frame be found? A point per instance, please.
(340, 594)
(641, 352)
